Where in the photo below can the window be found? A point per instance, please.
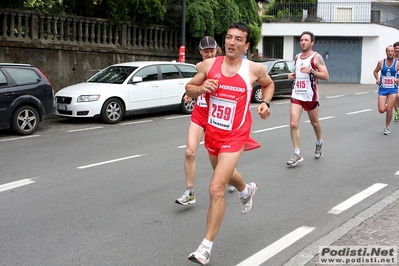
(375, 16)
(291, 66)
(3, 79)
(169, 72)
(149, 73)
(24, 76)
(273, 47)
(187, 71)
(279, 68)
(343, 14)
(115, 75)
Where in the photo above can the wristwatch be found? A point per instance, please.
(312, 71)
(267, 103)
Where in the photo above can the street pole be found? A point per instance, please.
(182, 50)
(183, 24)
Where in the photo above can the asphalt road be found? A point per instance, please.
(95, 194)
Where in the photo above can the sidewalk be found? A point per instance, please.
(376, 226)
(333, 89)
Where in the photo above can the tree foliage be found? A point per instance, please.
(211, 17)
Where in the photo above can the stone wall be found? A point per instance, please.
(71, 49)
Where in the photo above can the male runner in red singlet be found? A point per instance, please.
(309, 68)
(227, 82)
(208, 48)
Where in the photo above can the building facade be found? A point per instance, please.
(351, 36)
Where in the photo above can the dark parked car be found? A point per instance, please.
(26, 97)
(278, 70)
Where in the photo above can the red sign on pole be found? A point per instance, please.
(182, 54)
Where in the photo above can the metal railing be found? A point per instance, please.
(337, 12)
(31, 27)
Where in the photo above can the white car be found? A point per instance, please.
(128, 87)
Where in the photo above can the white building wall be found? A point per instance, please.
(375, 39)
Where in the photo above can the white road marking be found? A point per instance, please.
(322, 118)
(397, 173)
(360, 93)
(111, 161)
(336, 96)
(183, 146)
(16, 184)
(357, 198)
(175, 117)
(357, 112)
(282, 102)
(83, 129)
(276, 247)
(268, 129)
(18, 138)
(137, 122)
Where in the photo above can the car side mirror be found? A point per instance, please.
(136, 80)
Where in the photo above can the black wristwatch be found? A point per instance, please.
(267, 103)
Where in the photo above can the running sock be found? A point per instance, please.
(191, 189)
(207, 244)
(319, 142)
(244, 193)
(297, 151)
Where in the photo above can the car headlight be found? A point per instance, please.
(88, 98)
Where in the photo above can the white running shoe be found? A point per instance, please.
(246, 203)
(202, 255)
(231, 188)
(186, 198)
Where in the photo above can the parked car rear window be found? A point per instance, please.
(280, 68)
(187, 71)
(169, 72)
(24, 76)
(3, 79)
(115, 75)
(290, 66)
(149, 73)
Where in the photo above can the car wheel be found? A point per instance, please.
(257, 97)
(187, 107)
(25, 120)
(112, 111)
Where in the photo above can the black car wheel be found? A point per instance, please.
(257, 94)
(112, 111)
(187, 107)
(25, 120)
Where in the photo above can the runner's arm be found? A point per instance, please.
(376, 70)
(322, 72)
(199, 83)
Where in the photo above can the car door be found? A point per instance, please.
(173, 85)
(279, 73)
(8, 93)
(147, 93)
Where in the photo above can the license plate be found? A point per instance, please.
(62, 107)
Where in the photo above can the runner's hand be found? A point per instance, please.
(263, 111)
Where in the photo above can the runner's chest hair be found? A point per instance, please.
(229, 71)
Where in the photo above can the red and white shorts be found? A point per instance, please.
(199, 116)
(215, 146)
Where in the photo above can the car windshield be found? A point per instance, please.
(114, 74)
